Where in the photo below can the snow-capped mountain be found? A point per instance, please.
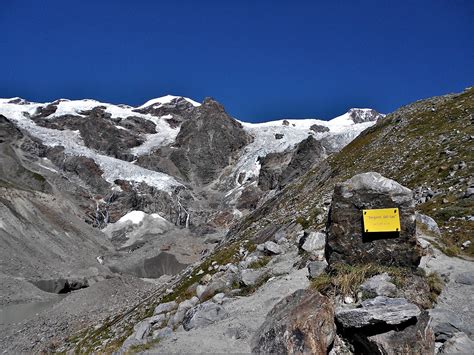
(51, 124)
(191, 163)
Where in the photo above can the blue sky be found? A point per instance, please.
(261, 59)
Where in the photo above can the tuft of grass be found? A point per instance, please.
(436, 286)
(451, 250)
(343, 279)
(305, 223)
(261, 262)
(142, 347)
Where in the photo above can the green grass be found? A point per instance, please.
(436, 286)
(260, 263)
(143, 347)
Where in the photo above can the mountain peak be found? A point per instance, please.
(360, 115)
(166, 100)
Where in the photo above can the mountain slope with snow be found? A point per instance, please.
(170, 142)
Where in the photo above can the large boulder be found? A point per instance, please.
(301, 323)
(347, 241)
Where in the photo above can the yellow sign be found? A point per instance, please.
(381, 220)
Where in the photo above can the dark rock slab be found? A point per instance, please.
(347, 241)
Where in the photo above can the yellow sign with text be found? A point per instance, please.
(381, 220)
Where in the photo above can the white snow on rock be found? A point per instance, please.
(165, 100)
(112, 168)
(137, 216)
(165, 135)
(342, 130)
(136, 224)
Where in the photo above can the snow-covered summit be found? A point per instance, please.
(166, 100)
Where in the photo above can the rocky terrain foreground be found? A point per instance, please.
(125, 230)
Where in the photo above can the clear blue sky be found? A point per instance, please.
(261, 59)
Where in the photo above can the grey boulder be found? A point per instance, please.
(379, 285)
(313, 242)
(250, 277)
(166, 307)
(203, 315)
(378, 311)
(273, 248)
(316, 268)
(460, 343)
(465, 278)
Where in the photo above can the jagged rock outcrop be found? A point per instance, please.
(364, 115)
(319, 128)
(347, 241)
(301, 323)
(272, 166)
(205, 144)
(279, 169)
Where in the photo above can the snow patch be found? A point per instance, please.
(136, 217)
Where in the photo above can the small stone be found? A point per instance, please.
(469, 192)
(219, 298)
(465, 278)
(200, 289)
(206, 278)
(250, 277)
(316, 268)
(273, 248)
(380, 285)
(349, 300)
(165, 307)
